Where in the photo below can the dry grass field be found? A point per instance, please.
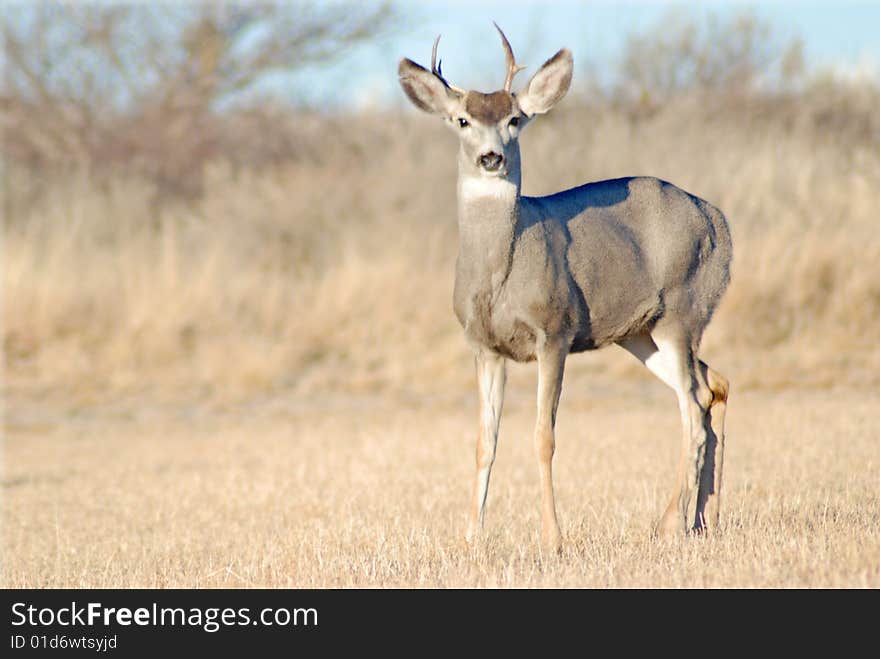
(370, 491)
(267, 386)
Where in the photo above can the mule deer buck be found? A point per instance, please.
(634, 261)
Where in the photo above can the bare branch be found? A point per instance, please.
(142, 85)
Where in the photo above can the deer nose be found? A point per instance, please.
(491, 161)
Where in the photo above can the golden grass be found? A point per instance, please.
(269, 388)
(370, 491)
(338, 273)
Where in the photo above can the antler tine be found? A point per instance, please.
(436, 67)
(512, 67)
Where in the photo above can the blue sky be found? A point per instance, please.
(838, 35)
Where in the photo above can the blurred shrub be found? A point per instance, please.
(317, 250)
(730, 57)
(150, 89)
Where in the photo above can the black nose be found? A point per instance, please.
(491, 161)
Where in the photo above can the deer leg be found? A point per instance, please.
(709, 493)
(551, 364)
(672, 361)
(491, 375)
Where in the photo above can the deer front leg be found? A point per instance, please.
(491, 375)
(551, 364)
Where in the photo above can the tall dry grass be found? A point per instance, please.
(335, 272)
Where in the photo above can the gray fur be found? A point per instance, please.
(593, 265)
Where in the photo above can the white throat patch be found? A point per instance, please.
(474, 187)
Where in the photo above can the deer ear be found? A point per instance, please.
(548, 85)
(426, 90)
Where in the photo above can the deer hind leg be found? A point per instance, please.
(709, 494)
(491, 376)
(671, 359)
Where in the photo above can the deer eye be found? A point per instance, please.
(463, 123)
(514, 122)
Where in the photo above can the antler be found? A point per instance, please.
(512, 67)
(435, 67)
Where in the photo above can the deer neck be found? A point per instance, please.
(488, 209)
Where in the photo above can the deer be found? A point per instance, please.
(634, 262)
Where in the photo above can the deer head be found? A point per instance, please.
(488, 125)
